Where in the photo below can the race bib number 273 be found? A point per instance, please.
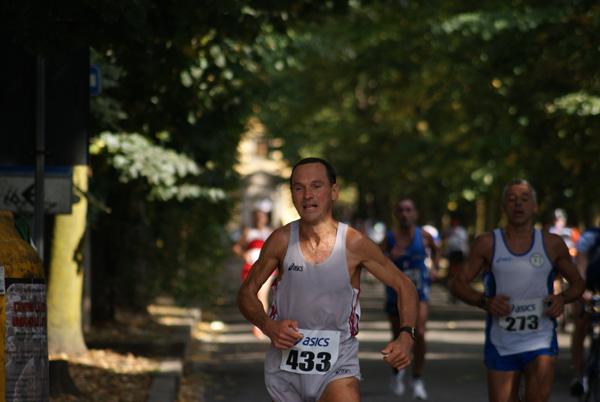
(526, 316)
(316, 353)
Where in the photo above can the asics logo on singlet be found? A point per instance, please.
(308, 341)
(525, 308)
(502, 259)
(295, 267)
(342, 371)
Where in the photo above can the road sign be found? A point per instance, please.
(95, 80)
(17, 190)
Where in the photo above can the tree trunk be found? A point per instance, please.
(60, 379)
(65, 282)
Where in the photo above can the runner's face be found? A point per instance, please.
(261, 219)
(312, 193)
(519, 204)
(406, 213)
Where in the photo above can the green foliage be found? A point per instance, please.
(162, 225)
(580, 103)
(190, 70)
(446, 101)
(443, 100)
(134, 156)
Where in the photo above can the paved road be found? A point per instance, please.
(233, 368)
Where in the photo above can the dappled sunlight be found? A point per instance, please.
(457, 337)
(459, 324)
(171, 315)
(430, 356)
(220, 332)
(242, 357)
(374, 325)
(102, 375)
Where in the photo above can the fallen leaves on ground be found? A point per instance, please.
(104, 375)
(191, 388)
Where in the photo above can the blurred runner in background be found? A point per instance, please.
(408, 246)
(456, 242)
(248, 249)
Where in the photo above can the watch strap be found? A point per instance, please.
(483, 302)
(411, 331)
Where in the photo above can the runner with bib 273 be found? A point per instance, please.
(519, 263)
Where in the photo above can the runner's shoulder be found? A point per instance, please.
(278, 241)
(483, 243)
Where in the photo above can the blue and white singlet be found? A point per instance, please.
(527, 279)
(412, 263)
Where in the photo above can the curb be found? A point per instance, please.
(166, 383)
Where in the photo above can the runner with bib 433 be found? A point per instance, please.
(313, 321)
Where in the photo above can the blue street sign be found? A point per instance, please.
(95, 80)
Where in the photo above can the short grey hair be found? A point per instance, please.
(517, 181)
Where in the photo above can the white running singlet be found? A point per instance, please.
(321, 298)
(318, 296)
(527, 279)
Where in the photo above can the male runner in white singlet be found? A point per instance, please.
(519, 263)
(313, 321)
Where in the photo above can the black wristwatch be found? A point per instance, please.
(483, 303)
(411, 331)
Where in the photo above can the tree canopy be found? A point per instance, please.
(446, 101)
(442, 100)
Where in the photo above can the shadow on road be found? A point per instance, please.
(230, 359)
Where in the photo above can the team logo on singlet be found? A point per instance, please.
(294, 267)
(536, 260)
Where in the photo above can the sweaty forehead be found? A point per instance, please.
(309, 173)
(405, 205)
(518, 190)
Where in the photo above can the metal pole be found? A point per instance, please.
(40, 151)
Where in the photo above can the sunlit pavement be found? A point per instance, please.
(232, 358)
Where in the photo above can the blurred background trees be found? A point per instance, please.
(445, 101)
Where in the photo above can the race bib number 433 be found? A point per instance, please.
(316, 353)
(525, 316)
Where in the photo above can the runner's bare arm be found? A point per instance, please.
(471, 267)
(238, 247)
(362, 252)
(581, 262)
(561, 259)
(479, 257)
(284, 333)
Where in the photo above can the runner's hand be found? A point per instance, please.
(283, 334)
(397, 352)
(556, 304)
(499, 305)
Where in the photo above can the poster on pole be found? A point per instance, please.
(26, 341)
